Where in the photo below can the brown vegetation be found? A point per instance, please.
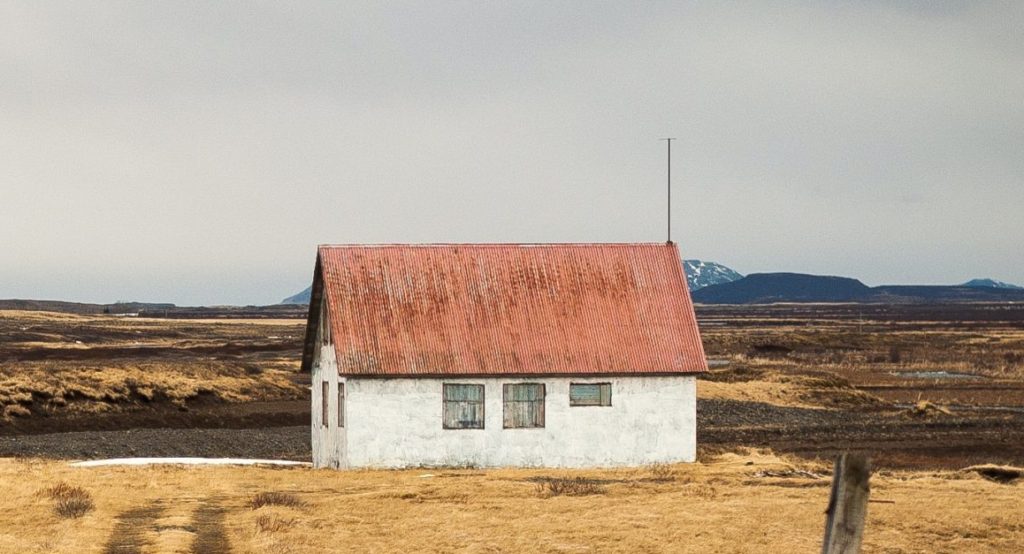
(69, 502)
(997, 473)
(61, 365)
(751, 501)
(841, 355)
(568, 486)
(262, 499)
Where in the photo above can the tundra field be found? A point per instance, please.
(926, 390)
(733, 502)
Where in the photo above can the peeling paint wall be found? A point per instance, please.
(398, 423)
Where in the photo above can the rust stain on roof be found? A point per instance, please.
(501, 309)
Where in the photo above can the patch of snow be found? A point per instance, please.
(700, 274)
(188, 461)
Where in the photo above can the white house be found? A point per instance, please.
(559, 355)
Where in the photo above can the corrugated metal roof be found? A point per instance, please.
(502, 309)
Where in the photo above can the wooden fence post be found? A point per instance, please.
(848, 505)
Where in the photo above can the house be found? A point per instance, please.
(557, 355)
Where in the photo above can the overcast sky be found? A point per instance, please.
(197, 153)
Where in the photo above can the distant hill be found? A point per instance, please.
(300, 298)
(153, 309)
(84, 308)
(766, 288)
(939, 293)
(991, 283)
(700, 274)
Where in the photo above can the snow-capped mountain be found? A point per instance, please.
(700, 274)
(990, 283)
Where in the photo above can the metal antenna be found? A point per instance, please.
(669, 142)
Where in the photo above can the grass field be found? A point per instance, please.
(750, 502)
(74, 366)
(805, 380)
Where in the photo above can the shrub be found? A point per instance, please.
(661, 472)
(276, 499)
(568, 486)
(70, 501)
(73, 507)
(270, 523)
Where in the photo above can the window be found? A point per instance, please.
(463, 406)
(325, 324)
(590, 394)
(324, 392)
(341, 404)
(524, 405)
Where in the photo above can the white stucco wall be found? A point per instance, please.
(397, 423)
(328, 441)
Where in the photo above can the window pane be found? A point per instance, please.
(523, 405)
(341, 404)
(325, 391)
(590, 394)
(463, 406)
(473, 393)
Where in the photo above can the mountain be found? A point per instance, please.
(700, 274)
(939, 293)
(300, 298)
(712, 283)
(990, 283)
(763, 288)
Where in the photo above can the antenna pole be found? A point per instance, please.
(669, 142)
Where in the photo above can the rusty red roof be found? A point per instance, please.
(501, 309)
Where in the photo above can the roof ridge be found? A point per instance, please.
(492, 244)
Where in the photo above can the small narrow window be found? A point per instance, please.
(463, 406)
(324, 396)
(325, 324)
(523, 405)
(590, 394)
(341, 404)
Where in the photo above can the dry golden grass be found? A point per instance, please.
(994, 351)
(731, 503)
(95, 388)
(62, 364)
(768, 392)
(775, 347)
(753, 380)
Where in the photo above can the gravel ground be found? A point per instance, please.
(291, 443)
(893, 440)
